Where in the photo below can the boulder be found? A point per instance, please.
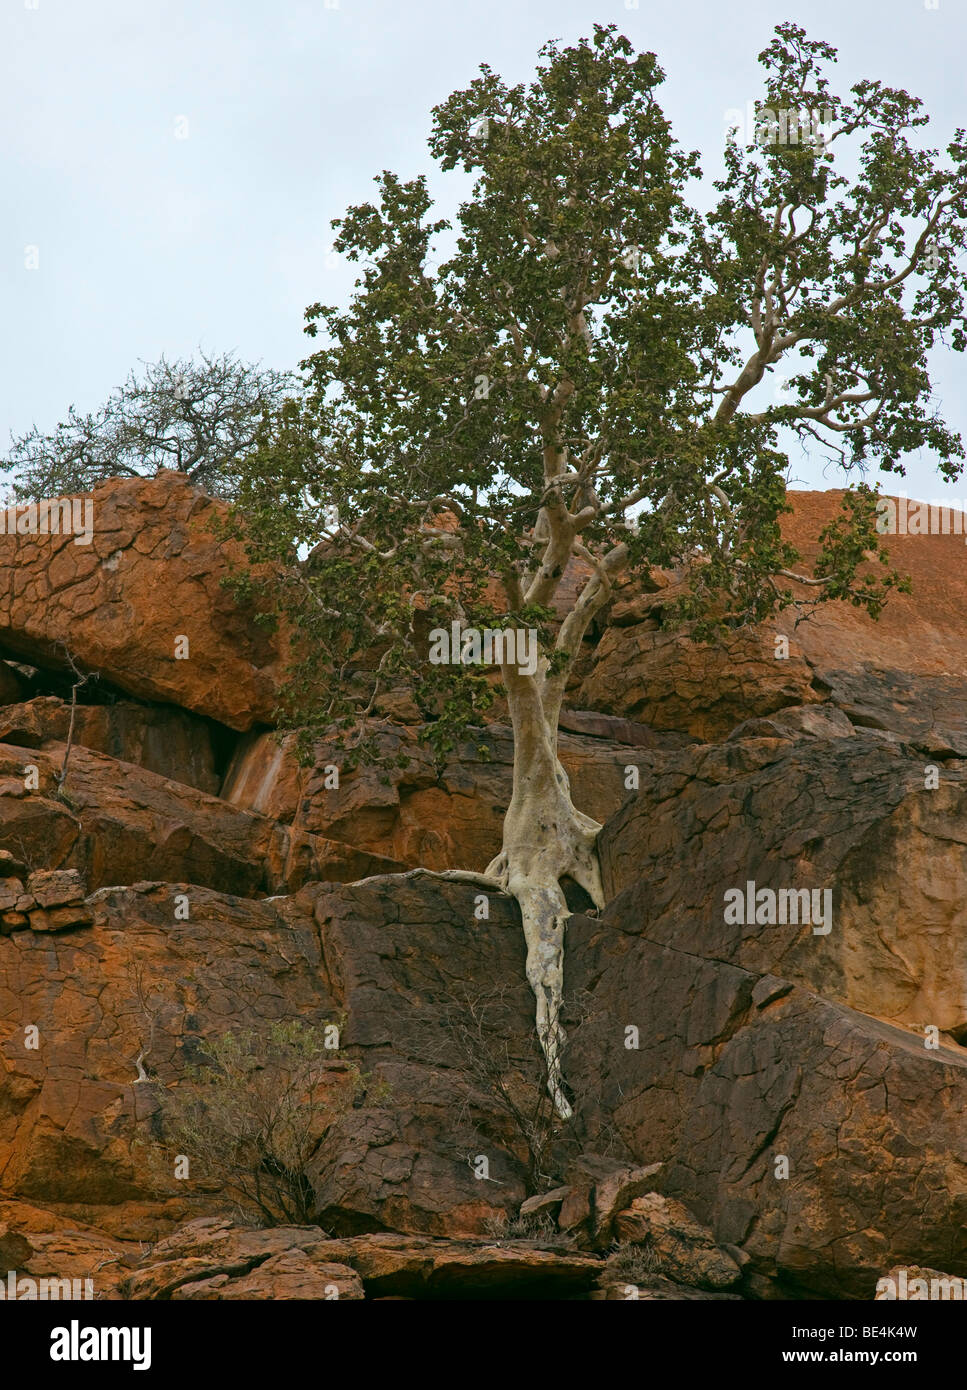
(211, 1258)
(293, 1274)
(544, 1203)
(384, 959)
(612, 1193)
(902, 672)
(824, 1143)
(654, 673)
(60, 918)
(797, 721)
(12, 895)
(56, 887)
(49, 1245)
(871, 830)
(598, 1187)
(404, 1266)
(151, 575)
(682, 1248)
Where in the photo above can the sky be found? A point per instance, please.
(171, 167)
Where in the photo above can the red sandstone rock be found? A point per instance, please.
(121, 824)
(152, 574)
(56, 887)
(682, 1248)
(214, 1259)
(750, 1043)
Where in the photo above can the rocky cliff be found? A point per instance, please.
(765, 1108)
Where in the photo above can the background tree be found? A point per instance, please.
(572, 381)
(197, 416)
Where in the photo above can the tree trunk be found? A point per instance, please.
(545, 839)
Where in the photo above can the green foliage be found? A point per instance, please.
(566, 372)
(253, 1117)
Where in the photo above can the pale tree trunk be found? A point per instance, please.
(545, 840)
(545, 837)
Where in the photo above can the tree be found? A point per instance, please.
(198, 417)
(572, 384)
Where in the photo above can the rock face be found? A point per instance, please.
(120, 823)
(384, 957)
(648, 671)
(903, 673)
(212, 1259)
(765, 1024)
(867, 826)
(814, 1137)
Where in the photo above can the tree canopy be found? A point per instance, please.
(574, 378)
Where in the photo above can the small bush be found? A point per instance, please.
(253, 1117)
(637, 1263)
(538, 1226)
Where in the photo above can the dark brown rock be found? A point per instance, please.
(793, 816)
(160, 738)
(15, 1249)
(385, 956)
(12, 684)
(728, 1079)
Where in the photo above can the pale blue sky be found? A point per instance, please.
(150, 243)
